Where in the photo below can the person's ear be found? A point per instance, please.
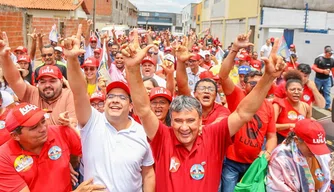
(15, 136)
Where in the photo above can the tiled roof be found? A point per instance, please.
(68, 5)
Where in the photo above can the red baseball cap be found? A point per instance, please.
(98, 95)
(25, 58)
(148, 59)
(242, 57)
(272, 39)
(92, 38)
(50, 71)
(292, 46)
(21, 48)
(313, 134)
(118, 84)
(97, 50)
(90, 62)
(24, 114)
(160, 92)
(168, 49)
(196, 57)
(206, 74)
(195, 48)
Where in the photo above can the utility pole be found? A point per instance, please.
(94, 14)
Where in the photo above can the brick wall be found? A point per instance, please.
(11, 21)
(103, 7)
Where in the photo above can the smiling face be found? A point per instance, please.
(206, 93)
(160, 107)
(117, 107)
(49, 88)
(186, 126)
(294, 91)
(148, 69)
(119, 61)
(48, 56)
(90, 72)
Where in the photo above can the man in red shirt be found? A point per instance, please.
(311, 95)
(254, 62)
(248, 141)
(37, 156)
(185, 160)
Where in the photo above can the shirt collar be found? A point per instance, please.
(131, 128)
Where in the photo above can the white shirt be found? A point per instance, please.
(266, 50)
(114, 159)
(161, 82)
(193, 78)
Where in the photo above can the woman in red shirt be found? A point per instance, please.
(291, 109)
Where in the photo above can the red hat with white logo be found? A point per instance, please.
(196, 57)
(24, 114)
(148, 59)
(98, 95)
(313, 134)
(160, 92)
(21, 48)
(195, 48)
(50, 71)
(292, 46)
(97, 50)
(118, 84)
(168, 49)
(25, 58)
(90, 62)
(92, 38)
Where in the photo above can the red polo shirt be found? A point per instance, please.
(48, 171)
(216, 112)
(256, 64)
(307, 97)
(4, 134)
(180, 170)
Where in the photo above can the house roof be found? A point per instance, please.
(65, 5)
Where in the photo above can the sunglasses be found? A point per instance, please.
(93, 42)
(252, 83)
(90, 69)
(49, 55)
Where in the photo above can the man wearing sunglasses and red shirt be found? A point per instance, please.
(48, 56)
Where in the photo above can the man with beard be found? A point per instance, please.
(48, 95)
(113, 49)
(248, 141)
(48, 55)
(117, 68)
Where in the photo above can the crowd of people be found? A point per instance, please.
(156, 112)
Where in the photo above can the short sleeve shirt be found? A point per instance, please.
(323, 63)
(307, 97)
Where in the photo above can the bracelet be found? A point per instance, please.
(232, 50)
(268, 152)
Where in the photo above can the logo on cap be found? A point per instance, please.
(320, 139)
(26, 109)
(47, 70)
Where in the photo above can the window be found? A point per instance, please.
(116, 4)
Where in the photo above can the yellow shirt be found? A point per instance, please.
(91, 88)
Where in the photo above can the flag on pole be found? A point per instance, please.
(103, 68)
(53, 35)
(220, 55)
(283, 50)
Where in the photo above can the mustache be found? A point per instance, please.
(48, 88)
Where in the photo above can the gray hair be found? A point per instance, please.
(182, 103)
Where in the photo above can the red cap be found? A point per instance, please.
(160, 92)
(242, 57)
(292, 46)
(90, 62)
(51, 71)
(24, 114)
(272, 39)
(25, 58)
(168, 49)
(206, 74)
(92, 38)
(98, 95)
(21, 48)
(195, 48)
(118, 84)
(216, 77)
(313, 134)
(97, 50)
(196, 57)
(148, 59)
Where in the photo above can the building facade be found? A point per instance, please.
(189, 17)
(124, 13)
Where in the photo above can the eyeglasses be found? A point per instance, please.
(90, 69)
(49, 55)
(122, 97)
(204, 88)
(252, 83)
(99, 104)
(161, 103)
(296, 90)
(153, 53)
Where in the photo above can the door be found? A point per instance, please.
(288, 35)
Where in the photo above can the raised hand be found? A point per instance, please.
(33, 35)
(242, 41)
(4, 47)
(274, 65)
(168, 66)
(72, 45)
(40, 34)
(182, 53)
(89, 22)
(133, 54)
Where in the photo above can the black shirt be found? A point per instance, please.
(323, 63)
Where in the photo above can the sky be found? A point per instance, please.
(173, 6)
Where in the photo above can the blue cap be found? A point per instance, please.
(244, 69)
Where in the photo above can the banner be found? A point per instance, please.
(53, 36)
(283, 50)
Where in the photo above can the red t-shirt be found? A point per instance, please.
(249, 139)
(217, 112)
(256, 64)
(288, 114)
(4, 134)
(48, 171)
(290, 65)
(307, 97)
(180, 170)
